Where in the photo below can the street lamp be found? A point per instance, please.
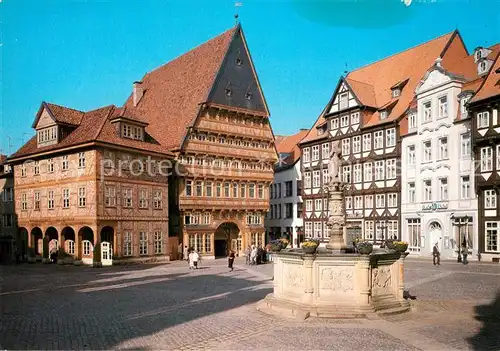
(458, 223)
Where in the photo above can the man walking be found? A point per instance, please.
(435, 255)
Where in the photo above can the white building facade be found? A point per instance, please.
(438, 204)
(284, 218)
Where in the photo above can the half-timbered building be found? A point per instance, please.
(364, 113)
(484, 107)
(438, 202)
(208, 108)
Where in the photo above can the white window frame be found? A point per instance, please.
(369, 202)
(379, 140)
(367, 142)
(127, 243)
(427, 111)
(309, 204)
(306, 154)
(490, 199)
(357, 173)
(465, 187)
(443, 148)
(412, 192)
(66, 197)
(427, 188)
(355, 118)
(82, 196)
(380, 201)
(412, 121)
(443, 106)
(483, 119)
(443, 189)
(346, 174)
(143, 243)
(379, 170)
(391, 169)
(346, 146)
(427, 151)
(368, 172)
(411, 154)
(392, 200)
(356, 144)
(316, 179)
(81, 160)
(308, 231)
(325, 151)
(369, 230)
(486, 158)
(318, 205)
(158, 242)
(465, 145)
(315, 152)
(344, 101)
(307, 180)
(492, 229)
(348, 202)
(390, 136)
(344, 121)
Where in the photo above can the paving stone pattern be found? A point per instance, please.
(169, 307)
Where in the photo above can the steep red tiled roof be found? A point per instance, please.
(2, 158)
(95, 126)
(173, 92)
(491, 84)
(408, 65)
(372, 84)
(64, 114)
(466, 67)
(289, 145)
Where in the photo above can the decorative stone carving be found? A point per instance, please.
(334, 163)
(294, 279)
(381, 277)
(340, 280)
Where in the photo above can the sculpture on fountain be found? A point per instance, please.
(334, 190)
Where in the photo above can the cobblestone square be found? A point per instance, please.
(169, 307)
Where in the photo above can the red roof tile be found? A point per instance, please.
(65, 114)
(289, 145)
(173, 92)
(372, 84)
(491, 84)
(95, 126)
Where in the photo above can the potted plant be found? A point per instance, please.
(97, 262)
(276, 245)
(31, 255)
(364, 247)
(45, 248)
(390, 244)
(400, 246)
(283, 242)
(310, 246)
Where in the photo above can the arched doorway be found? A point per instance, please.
(107, 234)
(227, 237)
(53, 236)
(86, 237)
(68, 240)
(37, 240)
(435, 235)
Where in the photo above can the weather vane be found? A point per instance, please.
(236, 5)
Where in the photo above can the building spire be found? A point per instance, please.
(236, 5)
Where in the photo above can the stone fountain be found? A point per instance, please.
(332, 283)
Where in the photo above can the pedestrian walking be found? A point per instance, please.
(464, 254)
(191, 259)
(253, 255)
(185, 254)
(196, 258)
(231, 260)
(436, 255)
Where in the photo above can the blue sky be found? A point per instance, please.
(86, 54)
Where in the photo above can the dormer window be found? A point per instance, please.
(463, 102)
(132, 132)
(47, 136)
(248, 95)
(238, 61)
(228, 92)
(483, 67)
(479, 55)
(383, 114)
(396, 92)
(344, 100)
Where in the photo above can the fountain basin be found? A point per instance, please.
(336, 285)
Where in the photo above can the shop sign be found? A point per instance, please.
(435, 206)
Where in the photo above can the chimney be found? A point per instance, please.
(138, 92)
